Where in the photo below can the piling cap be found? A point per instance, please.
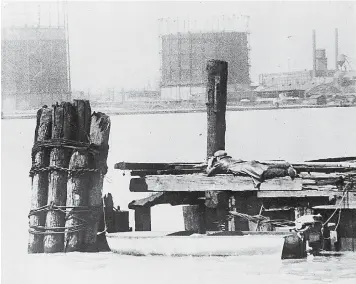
(220, 153)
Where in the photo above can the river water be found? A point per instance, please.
(293, 135)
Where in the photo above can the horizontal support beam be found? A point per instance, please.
(297, 194)
(201, 182)
(351, 206)
(173, 198)
(154, 166)
(143, 169)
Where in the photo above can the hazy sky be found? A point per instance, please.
(116, 44)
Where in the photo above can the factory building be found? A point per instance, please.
(296, 83)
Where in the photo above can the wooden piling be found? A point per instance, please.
(78, 183)
(63, 127)
(99, 136)
(216, 89)
(143, 219)
(194, 218)
(40, 179)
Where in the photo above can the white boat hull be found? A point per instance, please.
(158, 243)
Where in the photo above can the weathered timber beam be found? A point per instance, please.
(351, 206)
(338, 159)
(143, 173)
(142, 169)
(297, 193)
(173, 198)
(200, 182)
(325, 176)
(155, 166)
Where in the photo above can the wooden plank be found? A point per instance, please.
(337, 159)
(351, 205)
(173, 198)
(326, 176)
(315, 168)
(128, 166)
(297, 194)
(143, 173)
(200, 182)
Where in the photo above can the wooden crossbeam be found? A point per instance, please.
(143, 169)
(173, 198)
(201, 182)
(297, 194)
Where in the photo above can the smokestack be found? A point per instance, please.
(336, 48)
(314, 54)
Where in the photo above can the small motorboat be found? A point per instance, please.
(191, 244)
(305, 240)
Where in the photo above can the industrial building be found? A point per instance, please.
(35, 67)
(296, 83)
(185, 52)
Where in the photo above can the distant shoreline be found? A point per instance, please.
(113, 111)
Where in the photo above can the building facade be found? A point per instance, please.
(184, 57)
(285, 79)
(34, 67)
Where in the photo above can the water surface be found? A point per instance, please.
(293, 135)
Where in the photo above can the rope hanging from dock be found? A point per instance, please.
(337, 208)
(260, 219)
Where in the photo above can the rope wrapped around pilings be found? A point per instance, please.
(70, 212)
(69, 144)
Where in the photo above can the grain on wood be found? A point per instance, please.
(99, 136)
(39, 187)
(64, 121)
(78, 184)
(201, 182)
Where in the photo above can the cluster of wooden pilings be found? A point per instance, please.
(68, 167)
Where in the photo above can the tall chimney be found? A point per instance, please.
(314, 55)
(336, 47)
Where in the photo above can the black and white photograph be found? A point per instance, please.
(178, 142)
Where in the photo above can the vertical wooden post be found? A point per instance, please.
(216, 90)
(64, 121)
(194, 218)
(78, 184)
(40, 180)
(99, 136)
(232, 207)
(143, 219)
(216, 105)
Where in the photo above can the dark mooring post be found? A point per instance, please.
(78, 182)
(216, 90)
(63, 127)
(40, 179)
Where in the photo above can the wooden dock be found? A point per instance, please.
(321, 186)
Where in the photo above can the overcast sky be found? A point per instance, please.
(116, 44)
